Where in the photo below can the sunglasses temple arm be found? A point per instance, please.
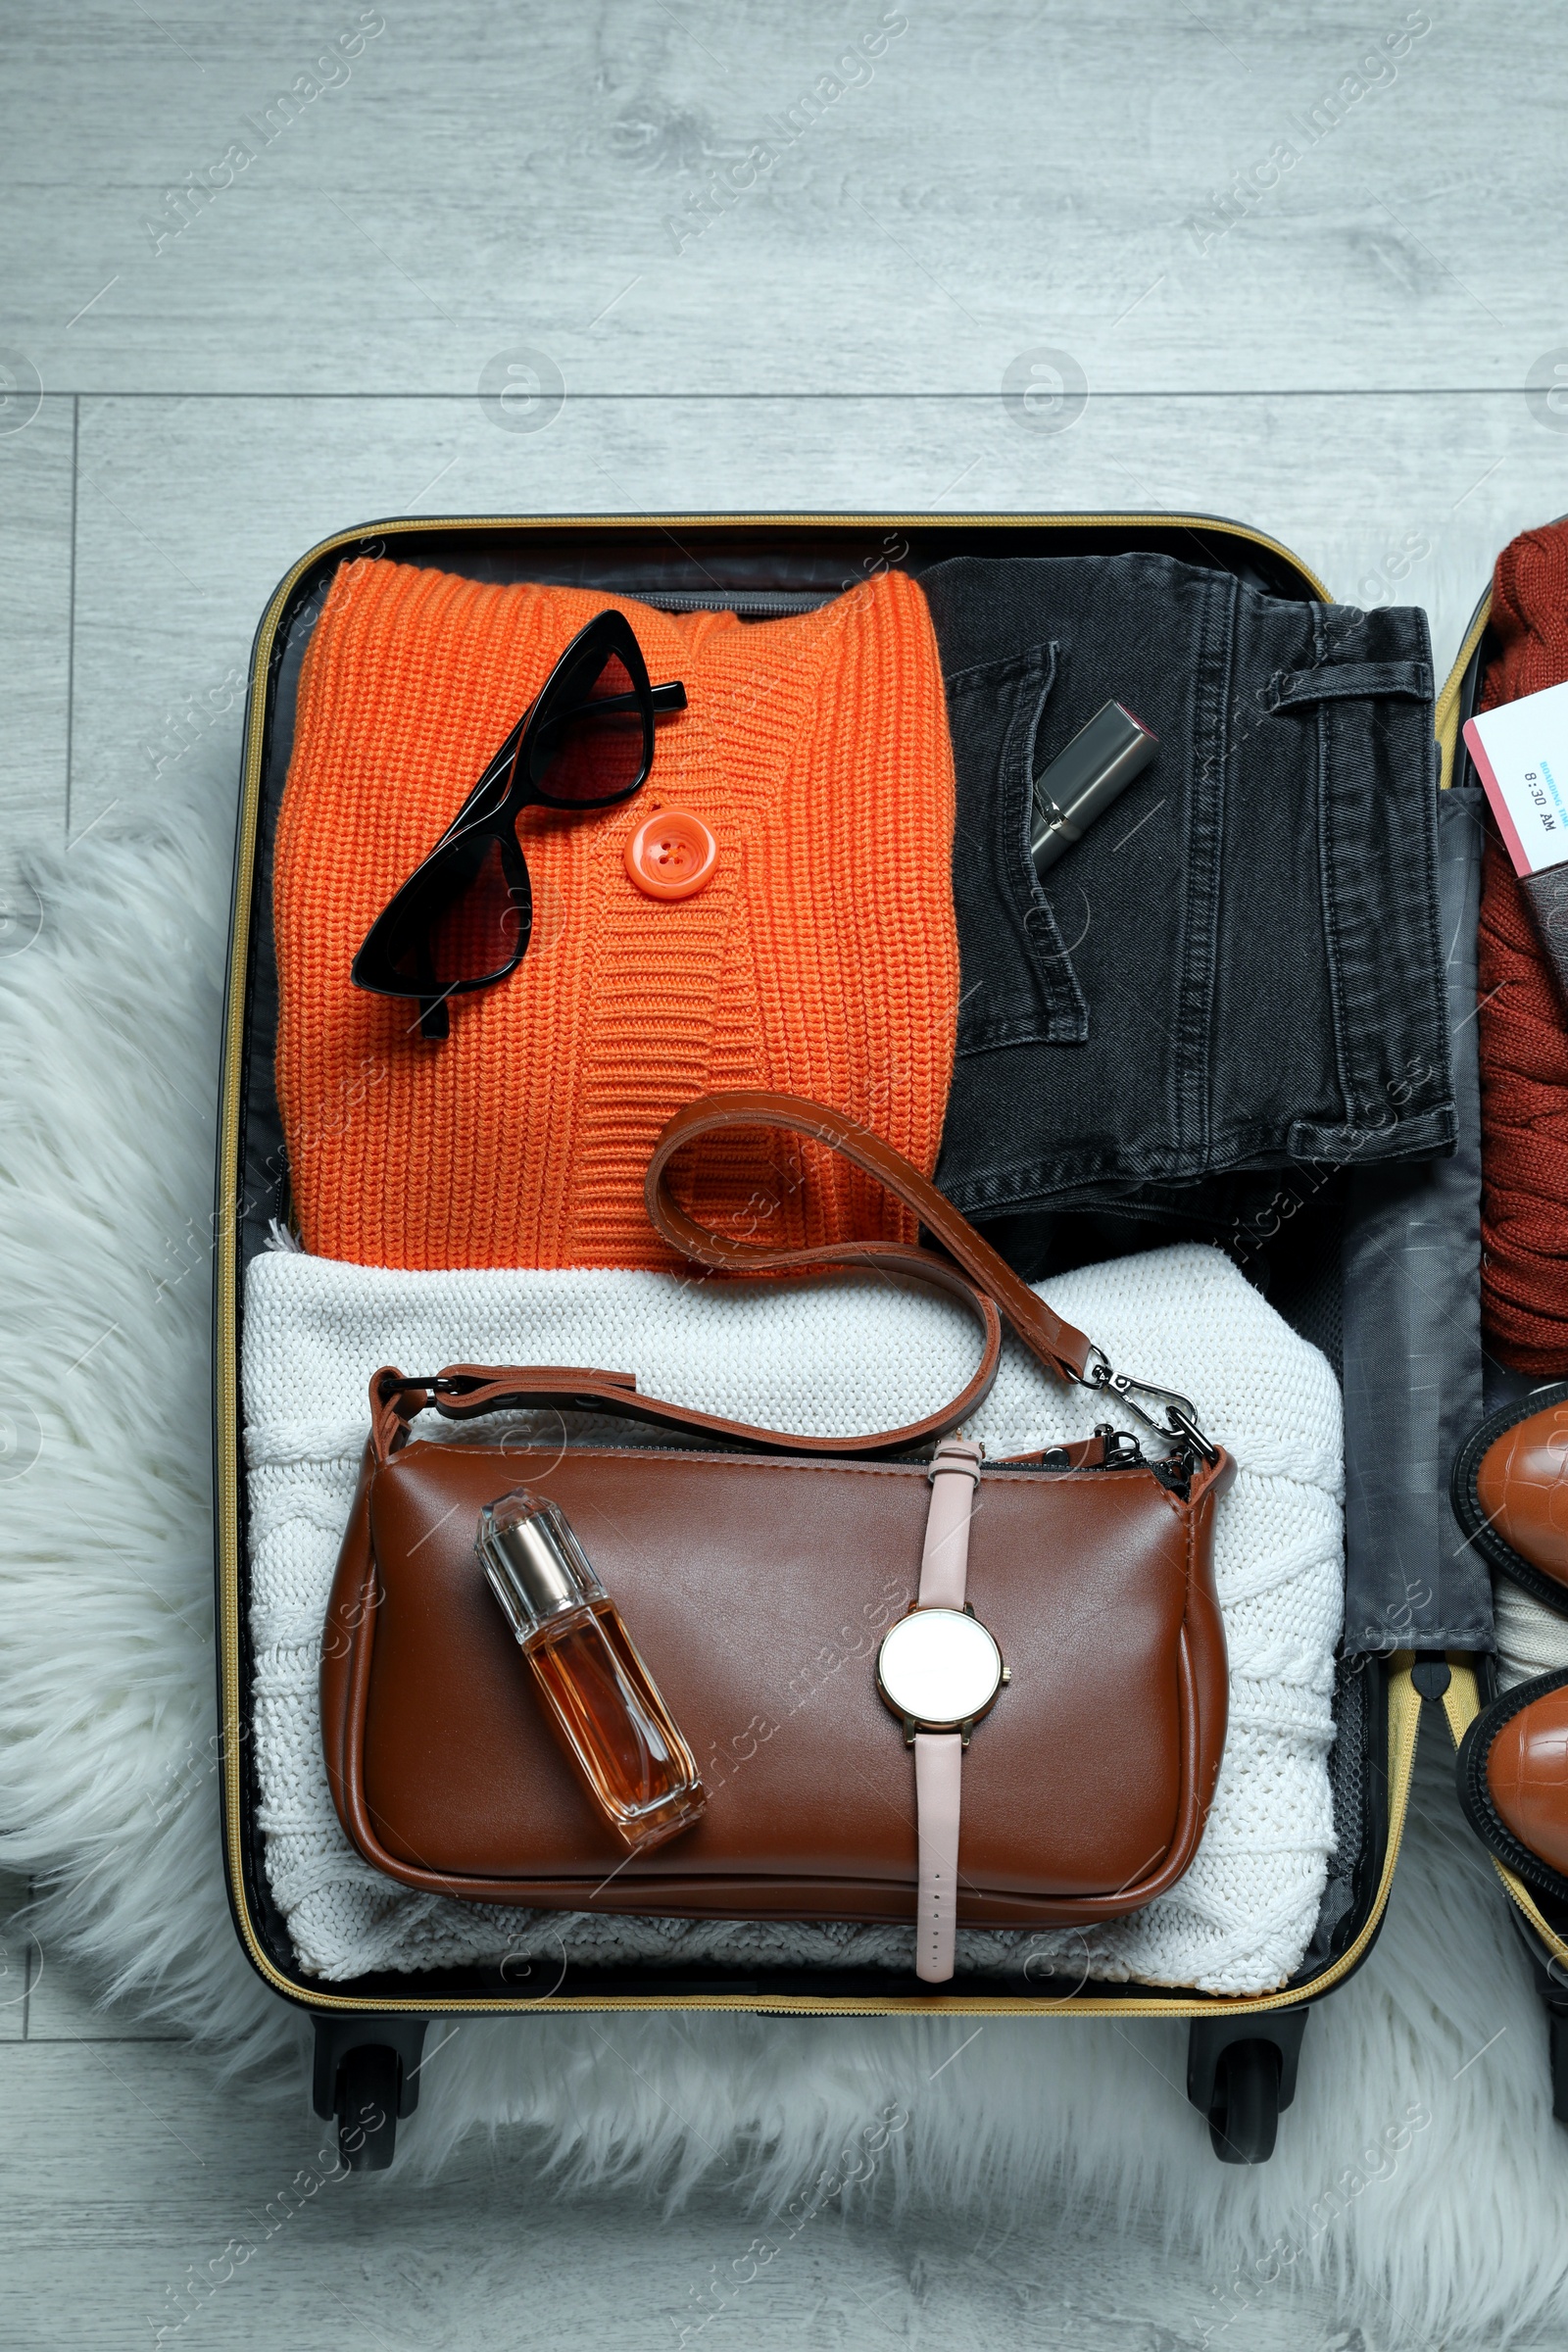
(671, 696)
(668, 698)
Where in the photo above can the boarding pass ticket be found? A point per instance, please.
(1521, 755)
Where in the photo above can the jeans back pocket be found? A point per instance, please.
(1017, 985)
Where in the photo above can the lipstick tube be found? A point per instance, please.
(1082, 782)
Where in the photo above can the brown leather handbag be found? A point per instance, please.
(761, 1578)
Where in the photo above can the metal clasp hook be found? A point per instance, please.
(1181, 1419)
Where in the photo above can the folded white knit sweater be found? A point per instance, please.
(1531, 1639)
(823, 1358)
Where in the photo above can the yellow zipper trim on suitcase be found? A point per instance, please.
(1445, 720)
(1405, 1704)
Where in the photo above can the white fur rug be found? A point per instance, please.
(1419, 2169)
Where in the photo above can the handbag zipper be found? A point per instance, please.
(1122, 1452)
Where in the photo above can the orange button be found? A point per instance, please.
(671, 855)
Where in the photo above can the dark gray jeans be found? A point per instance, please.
(1240, 966)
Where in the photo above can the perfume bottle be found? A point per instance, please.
(598, 1693)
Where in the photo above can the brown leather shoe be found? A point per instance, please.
(1513, 1781)
(1511, 1492)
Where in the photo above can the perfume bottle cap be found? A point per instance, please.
(533, 1561)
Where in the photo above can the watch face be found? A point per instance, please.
(939, 1667)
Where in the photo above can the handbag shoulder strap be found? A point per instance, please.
(970, 1272)
(1058, 1346)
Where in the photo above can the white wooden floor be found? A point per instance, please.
(629, 256)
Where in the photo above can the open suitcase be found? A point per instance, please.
(1378, 1267)
(1542, 1922)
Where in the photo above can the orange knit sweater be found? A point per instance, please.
(821, 960)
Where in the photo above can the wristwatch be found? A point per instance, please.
(939, 1669)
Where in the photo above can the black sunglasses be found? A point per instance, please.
(463, 917)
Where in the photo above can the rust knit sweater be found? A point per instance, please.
(1523, 1037)
(822, 957)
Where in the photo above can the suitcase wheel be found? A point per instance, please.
(1240, 2082)
(1244, 2113)
(365, 2074)
(367, 2087)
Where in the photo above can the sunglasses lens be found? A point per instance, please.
(583, 752)
(463, 922)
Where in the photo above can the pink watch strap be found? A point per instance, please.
(945, 1562)
(939, 1755)
(938, 1773)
